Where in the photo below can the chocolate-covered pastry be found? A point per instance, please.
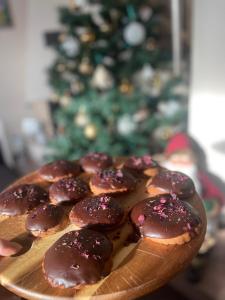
(59, 169)
(141, 165)
(68, 189)
(166, 219)
(95, 161)
(45, 219)
(20, 199)
(77, 258)
(171, 182)
(112, 181)
(99, 211)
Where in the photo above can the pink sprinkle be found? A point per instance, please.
(103, 206)
(147, 159)
(162, 200)
(141, 219)
(188, 226)
(119, 173)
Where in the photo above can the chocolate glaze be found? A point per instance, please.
(59, 169)
(20, 199)
(44, 217)
(164, 216)
(102, 210)
(113, 179)
(140, 163)
(95, 161)
(174, 182)
(77, 258)
(68, 189)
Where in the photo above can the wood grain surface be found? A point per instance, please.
(138, 268)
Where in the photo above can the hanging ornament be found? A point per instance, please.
(71, 46)
(141, 115)
(144, 77)
(145, 13)
(156, 85)
(77, 87)
(169, 108)
(126, 87)
(125, 125)
(81, 119)
(85, 67)
(61, 67)
(151, 44)
(102, 78)
(65, 100)
(106, 27)
(87, 37)
(90, 131)
(134, 33)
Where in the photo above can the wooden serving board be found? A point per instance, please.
(138, 268)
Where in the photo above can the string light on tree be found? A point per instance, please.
(126, 87)
(85, 67)
(87, 37)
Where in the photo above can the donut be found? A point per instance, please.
(102, 211)
(166, 219)
(20, 199)
(45, 219)
(112, 181)
(141, 165)
(59, 169)
(78, 258)
(95, 161)
(171, 182)
(68, 189)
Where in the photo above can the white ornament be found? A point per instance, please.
(126, 125)
(71, 46)
(134, 33)
(81, 119)
(145, 13)
(169, 108)
(102, 78)
(144, 77)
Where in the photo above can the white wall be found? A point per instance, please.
(207, 103)
(24, 59)
(12, 68)
(42, 16)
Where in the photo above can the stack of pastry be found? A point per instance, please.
(92, 194)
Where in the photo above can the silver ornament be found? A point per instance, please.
(134, 33)
(126, 125)
(71, 46)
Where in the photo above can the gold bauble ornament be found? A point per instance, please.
(85, 67)
(151, 44)
(106, 27)
(65, 100)
(90, 131)
(126, 87)
(87, 37)
(157, 82)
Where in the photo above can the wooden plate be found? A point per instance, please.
(138, 268)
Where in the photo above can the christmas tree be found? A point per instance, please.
(112, 79)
